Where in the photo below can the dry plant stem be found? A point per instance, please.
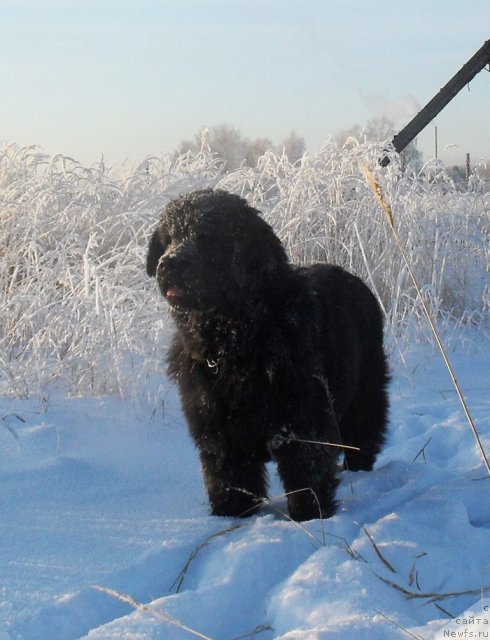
(297, 524)
(165, 617)
(378, 552)
(445, 611)
(269, 502)
(394, 622)
(255, 632)
(422, 450)
(376, 188)
(325, 444)
(432, 597)
(177, 583)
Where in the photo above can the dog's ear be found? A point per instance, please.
(156, 249)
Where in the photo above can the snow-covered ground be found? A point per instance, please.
(100, 494)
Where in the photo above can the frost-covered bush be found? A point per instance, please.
(76, 304)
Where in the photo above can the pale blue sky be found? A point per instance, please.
(129, 78)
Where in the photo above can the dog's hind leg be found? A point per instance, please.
(364, 425)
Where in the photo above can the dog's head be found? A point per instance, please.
(212, 252)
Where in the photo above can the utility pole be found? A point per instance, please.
(441, 99)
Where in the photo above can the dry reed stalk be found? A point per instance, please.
(385, 206)
(397, 624)
(378, 552)
(432, 597)
(288, 439)
(269, 503)
(177, 583)
(164, 617)
(444, 611)
(255, 632)
(422, 450)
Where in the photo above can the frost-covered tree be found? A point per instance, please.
(256, 149)
(294, 147)
(381, 130)
(228, 143)
(224, 140)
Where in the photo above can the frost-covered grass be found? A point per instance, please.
(76, 304)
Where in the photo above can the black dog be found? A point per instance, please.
(270, 359)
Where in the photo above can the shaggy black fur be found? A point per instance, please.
(267, 356)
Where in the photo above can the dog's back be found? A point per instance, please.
(343, 295)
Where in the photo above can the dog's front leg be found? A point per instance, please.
(308, 475)
(236, 484)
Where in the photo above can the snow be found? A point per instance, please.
(97, 492)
